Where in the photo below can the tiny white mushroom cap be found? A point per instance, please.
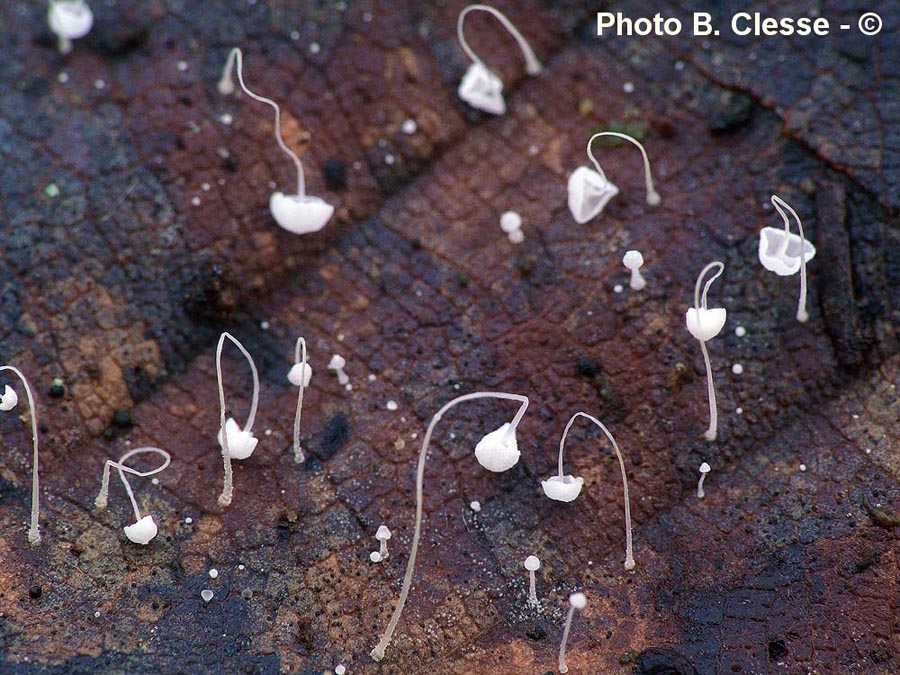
(705, 324)
(337, 362)
(633, 260)
(9, 399)
(299, 375)
(563, 488)
(775, 257)
(300, 214)
(375, 556)
(241, 444)
(510, 222)
(70, 19)
(578, 601)
(705, 468)
(383, 533)
(495, 453)
(588, 193)
(532, 563)
(482, 89)
(143, 531)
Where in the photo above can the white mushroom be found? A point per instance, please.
(577, 601)
(480, 87)
(299, 375)
(8, 401)
(633, 260)
(785, 253)
(532, 564)
(704, 469)
(69, 20)
(337, 364)
(505, 435)
(383, 534)
(704, 324)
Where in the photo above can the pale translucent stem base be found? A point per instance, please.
(710, 434)
(563, 668)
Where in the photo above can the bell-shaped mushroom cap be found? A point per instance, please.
(589, 192)
(578, 601)
(781, 259)
(300, 214)
(532, 563)
(495, 453)
(382, 533)
(705, 324)
(9, 399)
(705, 468)
(482, 89)
(298, 375)
(563, 488)
(142, 531)
(70, 19)
(241, 444)
(633, 260)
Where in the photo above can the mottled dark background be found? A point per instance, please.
(156, 236)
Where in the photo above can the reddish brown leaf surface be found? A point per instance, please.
(120, 284)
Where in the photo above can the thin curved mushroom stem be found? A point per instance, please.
(103, 497)
(653, 197)
(378, 652)
(34, 530)
(532, 64)
(780, 205)
(228, 486)
(226, 86)
(700, 302)
(629, 549)
(299, 357)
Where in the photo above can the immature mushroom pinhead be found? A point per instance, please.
(532, 564)
(337, 364)
(382, 535)
(577, 601)
(633, 260)
(704, 469)
(69, 20)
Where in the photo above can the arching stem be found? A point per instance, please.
(532, 65)
(34, 530)
(103, 497)
(299, 356)
(228, 486)
(378, 652)
(629, 550)
(780, 205)
(653, 197)
(226, 86)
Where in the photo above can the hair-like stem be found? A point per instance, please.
(299, 357)
(34, 530)
(378, 652)
(653, 197)
(226, 86)
(103, 497)
(780, 205)
(532, 65)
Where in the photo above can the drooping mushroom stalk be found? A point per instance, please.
(227, 488)
(226, 86)
(378, 652)
(103, 497)
(299, 349)
(653, 197)
(780, 205)
(34, 530)
(532, 65)
(629, 550)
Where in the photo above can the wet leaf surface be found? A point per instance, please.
(155, 237)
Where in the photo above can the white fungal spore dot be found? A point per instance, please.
(628, 87)
(391, 405)
(475, 506)
(618, 288)
(516, 237)
(206, 594)
(578, 601)
(740, 331)
(213, 573)
(340, 669)
(409, 127)
(803, 467)
(510, 221)
(737, 369)
(375, 557)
